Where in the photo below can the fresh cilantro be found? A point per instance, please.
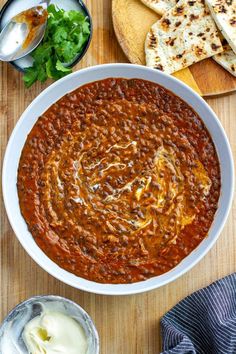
(60, 35)
(66, 50)
(61, 67)
(64, 39)
(31, 76)
(42, 75)
(42, 53)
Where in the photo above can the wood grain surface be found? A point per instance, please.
(129, 324)
(132, 20)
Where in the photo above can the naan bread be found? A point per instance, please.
(224, 13)
(227, 59)
(160, 6)
(185, 35)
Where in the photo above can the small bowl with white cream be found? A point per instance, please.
(48, 324)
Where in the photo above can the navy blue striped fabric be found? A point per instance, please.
(204, 322)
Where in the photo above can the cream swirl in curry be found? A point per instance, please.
(119, 181)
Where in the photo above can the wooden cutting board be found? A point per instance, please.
(132, 20)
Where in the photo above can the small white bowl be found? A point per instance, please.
(70, 83)
(12, 327)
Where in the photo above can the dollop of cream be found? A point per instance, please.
(54, 333)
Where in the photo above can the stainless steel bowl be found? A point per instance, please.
(13, 7)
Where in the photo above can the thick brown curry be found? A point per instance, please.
(119, 181)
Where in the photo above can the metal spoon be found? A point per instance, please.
(23, 33)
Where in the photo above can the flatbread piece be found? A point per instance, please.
(160, 6)
(185, 35)
(224, 14)
(227, 59)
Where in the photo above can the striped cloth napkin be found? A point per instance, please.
(204, 322)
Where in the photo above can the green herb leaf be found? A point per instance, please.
(74, 16)
(42, 53)
(42, 75)
(50, 68)
(66, 51)
(55, 13)
(61, 67)
(60, 35)
(30, 76)
(85, 27)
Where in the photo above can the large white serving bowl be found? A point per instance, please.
(70, 83)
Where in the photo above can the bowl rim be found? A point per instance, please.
(77, 58)
(36, 298)
(113, 289)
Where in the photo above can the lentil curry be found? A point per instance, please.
(119, 181)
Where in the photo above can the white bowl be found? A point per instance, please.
(70, 83)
